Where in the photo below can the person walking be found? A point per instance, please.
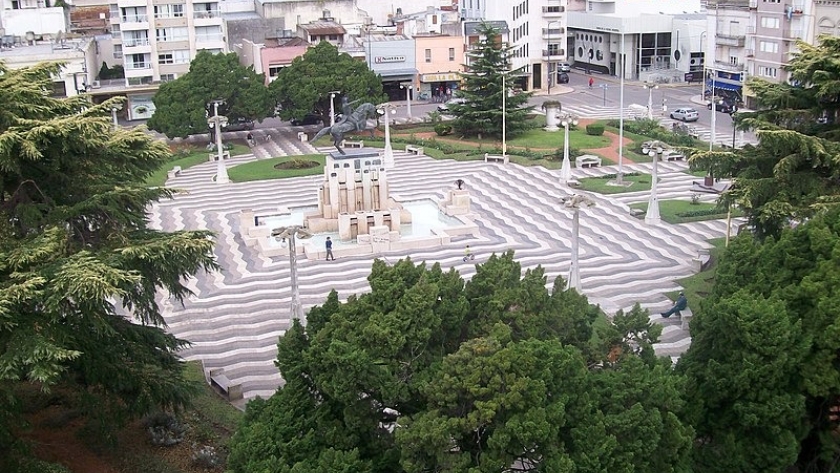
(679, 305)
(591, 82)
(330, 255)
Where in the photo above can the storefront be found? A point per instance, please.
(727, 86)
(140, 107)
(437, 87)
(392, 57)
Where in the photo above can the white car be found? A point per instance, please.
(685, 114)
(444, 107)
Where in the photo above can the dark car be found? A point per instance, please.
(722, 106)
(562, 78)
(240, 124)
(308, 119)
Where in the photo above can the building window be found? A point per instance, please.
(166, 58)
(140, 80)
(769, 47)
(118, 51)
(769, 22)
(768, 71)
(733, 60)
(167, 77)
(172, 34)
(208, 33)
(169, 11)
(451, 54)
(428, 55)
(273, 71)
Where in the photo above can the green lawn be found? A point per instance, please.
(541, 139)
(196, 157)
(264, 168)
(641, 182)
(672, 211)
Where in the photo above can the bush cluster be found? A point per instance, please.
(699, 213)
(595, 129)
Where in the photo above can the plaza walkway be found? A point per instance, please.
(236, 314)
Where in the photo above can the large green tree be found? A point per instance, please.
(183, 105)
(431, 373)
(79, 267)
(763, 369)
(487, 87)
(304, 87)
(793, 171)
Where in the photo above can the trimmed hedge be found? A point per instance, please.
(595, 129)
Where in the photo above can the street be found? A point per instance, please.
(603, 102)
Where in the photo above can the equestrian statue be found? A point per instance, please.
(351, 121)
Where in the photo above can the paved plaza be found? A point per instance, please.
(236, 315)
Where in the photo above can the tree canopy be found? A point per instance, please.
(79, 268)
(183, 105)
(793, 171)
(483, 89)
(431, 373)
(304, 87)
(762, 370)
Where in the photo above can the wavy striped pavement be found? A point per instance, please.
(236, 315)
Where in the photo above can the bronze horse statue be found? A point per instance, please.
(350, 122)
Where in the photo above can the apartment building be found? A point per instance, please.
(157, 39)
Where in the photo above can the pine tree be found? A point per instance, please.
(79, 267)
(487, 80)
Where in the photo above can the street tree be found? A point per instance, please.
(487, 89)
(79, 267)
(304, 87)
(791, 174)
(183, 105)
(762, 369)
(431, 373)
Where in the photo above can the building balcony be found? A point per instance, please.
(133, 66)
(792, 35)
(728, 66)
(135, 19)
(132, 3)
(554, 54)
(553, 11)
(207, 14)
(750, 53)
(730, 39)
(135, 42)
(553, 33)
(209, 38)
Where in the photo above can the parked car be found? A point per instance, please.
(562, 78)
(723, 106)
(308, 119)
(564, 67)
(685, 114)
(444, 107)
(240, 124)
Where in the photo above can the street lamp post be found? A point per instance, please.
(605, 87)
(575, 202)
(732, 114)
(386, 109)
(703, 80)
(620, 176)
(407, 88)
(650, 88)
(333, 95)
(290, 233)
(218, 122)
(655, 152)
(114, 109)
(566, 120)
(504, 113)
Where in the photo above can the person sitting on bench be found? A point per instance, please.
(679, 305)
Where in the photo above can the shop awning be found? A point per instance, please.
(725, 86)
(396, 74)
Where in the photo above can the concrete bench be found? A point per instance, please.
(222, 385)
(418, 150)
(492, 157)
(353, 144)
(587, 161)
(176, 171)
(685, 316)
(636, 212)
(215, 156)
(302, 136)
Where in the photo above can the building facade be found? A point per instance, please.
(440, 60)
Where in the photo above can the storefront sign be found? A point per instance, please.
(440, 77)
(386, 59)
